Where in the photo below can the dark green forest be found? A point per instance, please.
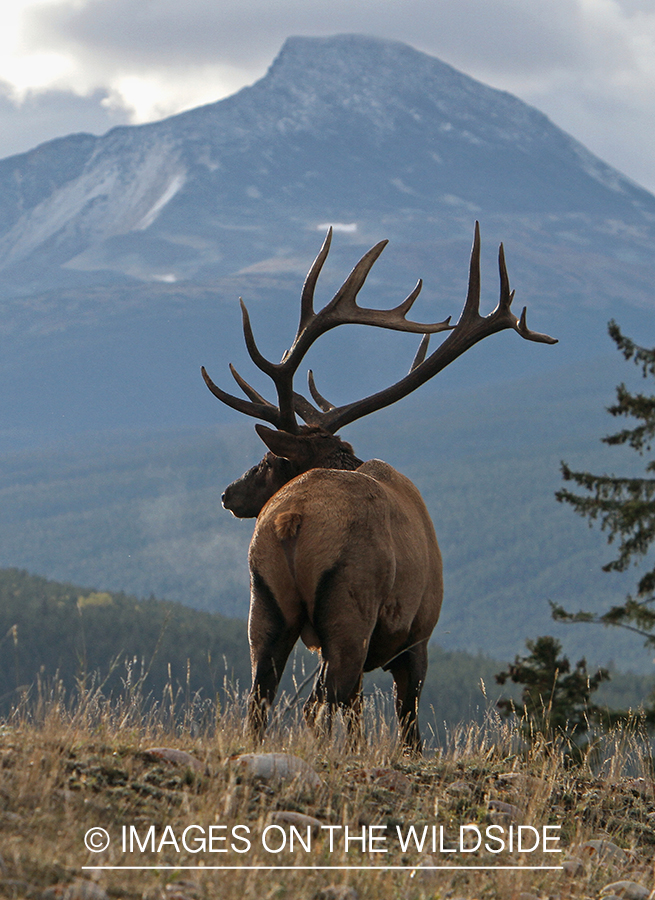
(84, 637)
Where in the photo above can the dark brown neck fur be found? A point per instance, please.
(331, 451)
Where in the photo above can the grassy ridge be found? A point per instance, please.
(67, 770)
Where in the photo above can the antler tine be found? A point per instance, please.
(504, 307)
(529, 335)
(260, 361)
(323, 404)
(247, 389)
(307, 296)
(471, 309)
(506, 295)
(404, 307)
(421, 352)
(347, 293)
(264, 410)
(343, 308)
(306, 410)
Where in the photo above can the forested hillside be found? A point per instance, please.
(82, 637)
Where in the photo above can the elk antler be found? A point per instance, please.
(471, 328)
(342, 309)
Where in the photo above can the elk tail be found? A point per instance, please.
(287, 525)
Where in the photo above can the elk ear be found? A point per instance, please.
(284, 444)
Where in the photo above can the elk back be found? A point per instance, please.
(364, 536)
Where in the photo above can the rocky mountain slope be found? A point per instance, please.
(367, 133)
(121, 257)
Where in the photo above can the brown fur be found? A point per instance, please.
(287, 525)
(349, 562)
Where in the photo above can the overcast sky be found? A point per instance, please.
(87, 65)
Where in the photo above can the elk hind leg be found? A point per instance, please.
(330, 693)
(344, 635)
(409, 670)
(271, 640)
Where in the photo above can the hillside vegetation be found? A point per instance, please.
(78, 639)
(74, 640)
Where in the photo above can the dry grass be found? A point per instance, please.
(68, 768)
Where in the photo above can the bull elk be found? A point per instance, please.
(344, 554)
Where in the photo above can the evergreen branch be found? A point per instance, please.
(614, 617)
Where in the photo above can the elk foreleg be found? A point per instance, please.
(409, 670)
(271, 640)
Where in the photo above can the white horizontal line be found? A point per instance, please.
(321, 868)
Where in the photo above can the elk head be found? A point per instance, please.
(295, 448)
(289, 455)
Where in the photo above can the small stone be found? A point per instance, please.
(182, 890)
(176, 758)
(276, 767)
(499, 812)
(300, 820)
(628, 890)
(573, 866)
(606, 851)
(459, 789)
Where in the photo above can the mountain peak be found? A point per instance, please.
(349, 129)
(349, 57)
(386, 83)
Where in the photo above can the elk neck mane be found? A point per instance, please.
(331, 452)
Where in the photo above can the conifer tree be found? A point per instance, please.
(554, 698)
(624, 506)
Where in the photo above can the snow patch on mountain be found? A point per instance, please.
(177, 182)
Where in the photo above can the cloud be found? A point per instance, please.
(43, 115)
(589, 64)
(243, 34)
